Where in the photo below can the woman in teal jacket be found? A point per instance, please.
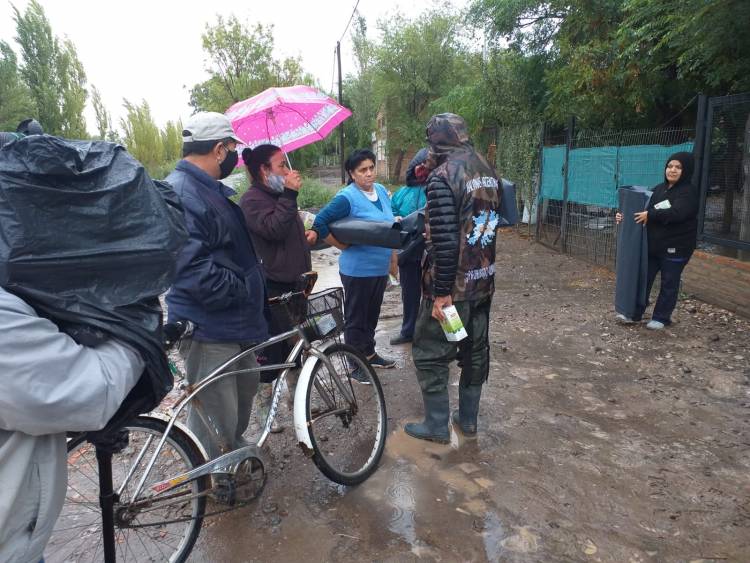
(405, 201)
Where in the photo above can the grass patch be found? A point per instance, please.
(313, 195)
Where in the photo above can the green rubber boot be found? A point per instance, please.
(435, 425)
(468, 409)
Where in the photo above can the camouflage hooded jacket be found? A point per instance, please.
(462, 214)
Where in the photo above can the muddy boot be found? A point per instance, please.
(468, 409)
(435, 425)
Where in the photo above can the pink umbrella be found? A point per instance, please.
(290, 117)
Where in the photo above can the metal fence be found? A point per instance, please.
(567, 179)
(725, 180)
(578, 196)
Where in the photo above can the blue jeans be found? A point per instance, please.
(671, 274)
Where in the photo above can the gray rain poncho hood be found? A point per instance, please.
(446, 133)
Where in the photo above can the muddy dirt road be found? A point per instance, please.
(598, 442)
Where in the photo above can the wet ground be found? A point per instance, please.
(598, 442)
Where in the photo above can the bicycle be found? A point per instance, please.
(164, 479)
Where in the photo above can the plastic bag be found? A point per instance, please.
(508, 205)
(90, 242)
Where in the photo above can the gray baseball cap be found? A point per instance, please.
(208, 126)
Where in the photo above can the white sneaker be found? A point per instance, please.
(623, 319)
(655, 325)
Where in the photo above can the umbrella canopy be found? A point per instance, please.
(289, 118)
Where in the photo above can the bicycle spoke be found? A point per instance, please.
(161, 528)
(348, 437)
(98, 545)
(76, 527)
(144, 545)
(80, 494)
(119, 546)
(68, 541)
(78, 471)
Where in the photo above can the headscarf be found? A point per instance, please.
(687, 161)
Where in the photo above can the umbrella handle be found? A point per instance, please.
(289, 164)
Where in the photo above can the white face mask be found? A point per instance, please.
(275, 182)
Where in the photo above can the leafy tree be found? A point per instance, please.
(241, 64)
(142, 137)
(39, 51)
(171, 137)
(704, 43)
(359, 89)
(626, 63)
(52, 72)
(104, 123)
(591, 79)
(73, 93)
(15, 104)
(417, 62)
(531, 26)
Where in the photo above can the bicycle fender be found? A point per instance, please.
(163, 417)
(300, 396)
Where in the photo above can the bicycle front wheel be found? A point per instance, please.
(150, 528)
(346, 416)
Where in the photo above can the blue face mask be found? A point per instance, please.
(275, 182)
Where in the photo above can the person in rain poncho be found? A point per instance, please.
(461, 225)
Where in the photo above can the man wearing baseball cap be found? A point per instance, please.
(219, 285)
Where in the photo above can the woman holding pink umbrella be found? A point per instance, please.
(280, 239)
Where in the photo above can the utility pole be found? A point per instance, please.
(341, 125)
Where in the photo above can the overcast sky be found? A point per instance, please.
(139, 49)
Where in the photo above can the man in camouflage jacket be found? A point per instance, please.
(461, 220)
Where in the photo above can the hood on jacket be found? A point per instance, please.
(446, 132)
(411, 176)
(687, 161)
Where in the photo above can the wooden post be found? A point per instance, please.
(341, 125)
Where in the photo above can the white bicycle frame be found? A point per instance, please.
(315, 354)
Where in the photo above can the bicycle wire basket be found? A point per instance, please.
(319, 316)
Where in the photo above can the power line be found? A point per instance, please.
(354, 11)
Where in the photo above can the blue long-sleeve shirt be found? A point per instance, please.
(337, 208)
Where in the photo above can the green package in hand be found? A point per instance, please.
(452, 326)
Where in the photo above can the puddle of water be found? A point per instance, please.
(326, 263)
(492, 536)
(400, 495)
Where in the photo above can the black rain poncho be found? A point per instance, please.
(89, 240)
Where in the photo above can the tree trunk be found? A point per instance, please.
(397, 169)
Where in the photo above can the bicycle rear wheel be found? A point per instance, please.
(163, 530)
(346, 417)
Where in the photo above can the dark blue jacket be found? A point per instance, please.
(219, 284)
